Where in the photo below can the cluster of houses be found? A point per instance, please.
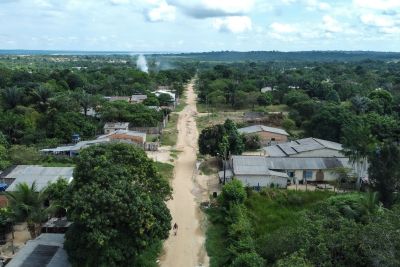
(113, 132)
(140, 98)
(308, 160)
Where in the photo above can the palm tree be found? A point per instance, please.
(42, 95)
(26, 202)
(12, 97)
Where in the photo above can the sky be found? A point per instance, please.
(200, 25)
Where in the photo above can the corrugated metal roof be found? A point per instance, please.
(33, 251)
(78, 146)
(259, 165)
(125, 132)
(261, 128)
(253, 165)
(42, 175)
(287, 163)
(301, 145)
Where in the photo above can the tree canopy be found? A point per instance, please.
(116, 202)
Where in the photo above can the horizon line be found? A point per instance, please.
(190, 52)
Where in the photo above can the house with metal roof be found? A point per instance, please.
(262, 171)
(125, 136)
(73, 150)
(46, 251)
(268, 135)
(254, 172)
(42, 176)
(307, 147)
(137, 138)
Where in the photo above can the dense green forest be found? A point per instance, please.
(45, 99)
(322, 98)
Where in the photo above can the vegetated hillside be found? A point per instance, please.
(310, 56)
(288, 228)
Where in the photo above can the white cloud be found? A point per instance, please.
(331, 25)
(213, 8)
(234, 24)
(289, 2)
(390, 30)
(377, 20)
(377, 4)
(229, 6)
(282, 28)
(316, 5)
(120, 2)
(163, 12)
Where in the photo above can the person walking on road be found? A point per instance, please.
(175, 228)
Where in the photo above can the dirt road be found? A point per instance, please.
(186, 249)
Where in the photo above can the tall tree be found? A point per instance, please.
(12, 97)
(384, 171)
(117, 203)
(358, 143)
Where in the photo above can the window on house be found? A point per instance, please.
(290, 174)
(307, 174)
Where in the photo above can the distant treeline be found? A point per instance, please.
(315, 56)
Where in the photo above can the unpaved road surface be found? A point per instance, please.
(186, 249)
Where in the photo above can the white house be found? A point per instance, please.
(312, 159)
(261, 171)
(253, 171)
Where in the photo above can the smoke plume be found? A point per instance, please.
(141, 63)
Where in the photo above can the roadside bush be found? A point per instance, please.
(233, 193)
(248, 260)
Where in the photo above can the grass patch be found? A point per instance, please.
(170, 133)
(201, 107)
(182, 103)
(209, 166)
(165, 169)
(278, 208)
(152, 137)
(207, 120)
(215, 237)
(267, 211)
(277, 108)
(174, 153)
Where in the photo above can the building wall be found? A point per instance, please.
(262, 180)
(329, 175)
(325, 152)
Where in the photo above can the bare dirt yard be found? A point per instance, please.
(186, 249)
